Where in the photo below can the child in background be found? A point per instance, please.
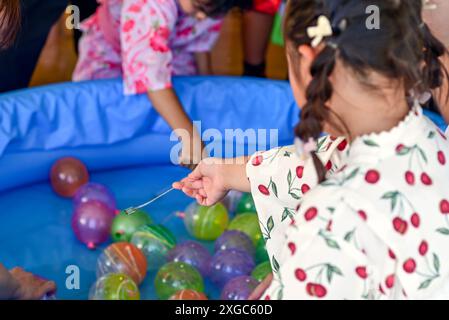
(147, 42)
(375, 226)
(257, 28)
(17, 284)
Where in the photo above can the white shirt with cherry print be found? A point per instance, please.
(377, 228)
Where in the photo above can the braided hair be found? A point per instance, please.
(395, 51)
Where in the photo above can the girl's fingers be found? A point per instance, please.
(202, 192)
(177, 185)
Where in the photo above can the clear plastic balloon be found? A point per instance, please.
(122, 257)
(124, 225)
(114, 286)
(192, 253)
(239, 288)
(229, 264)
(249, 224)
(188, 294)
(155, 241)
(234, 239)
(206, 223)
(175, 276)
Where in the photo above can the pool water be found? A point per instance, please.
(36, 233)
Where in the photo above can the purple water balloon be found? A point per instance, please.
(234, 239)
(231, 200)
(239, 288)
(92, 222)
(229, 264)
(192, 253)
(94, 191)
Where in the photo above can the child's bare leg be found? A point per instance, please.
(256, 37)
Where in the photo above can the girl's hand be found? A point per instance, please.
(31, 287)
(261, 288)
(207, 183)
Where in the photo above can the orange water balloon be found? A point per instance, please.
(123, 257)
(67, 175)
(188, 294)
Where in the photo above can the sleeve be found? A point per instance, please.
(317, 263)
(208, 32)
(146, 28)
(279, 179)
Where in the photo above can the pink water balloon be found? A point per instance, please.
(92, 222)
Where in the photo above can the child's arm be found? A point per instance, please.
(437, 22)
(166, 102)
(19, 284)
(213, 178)
(203, 62)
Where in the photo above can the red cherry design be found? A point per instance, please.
(267, 297)
(399, 148)
(415, 220)
(425, 179)
(257, 161)
(409, 266)
(301, 275)
(391, 254)
(423, 248)
(263, 190)
(410, 178)
(361, 272)
(305, 188)
(311, 213)
(299, 171)
(372, 176)
(333, 138)
(329, 165)
(400, 225)
(362, 214)
(444, 206)
(329, 225)
(320, 291)
(316, 290)
(342, 145)
(292, 247)
(441, 158)
(389, 282)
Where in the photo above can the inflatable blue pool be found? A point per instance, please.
(125, 146)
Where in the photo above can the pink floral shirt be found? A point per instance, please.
(377, 228)
(155, 40)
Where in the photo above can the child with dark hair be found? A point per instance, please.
(17, 283)
(363, 216)
(147, 42)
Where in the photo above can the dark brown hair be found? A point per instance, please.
(9, 21)
(403, 49)
(217, 8)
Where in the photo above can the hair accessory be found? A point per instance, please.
(320, 31)
(305, 149)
